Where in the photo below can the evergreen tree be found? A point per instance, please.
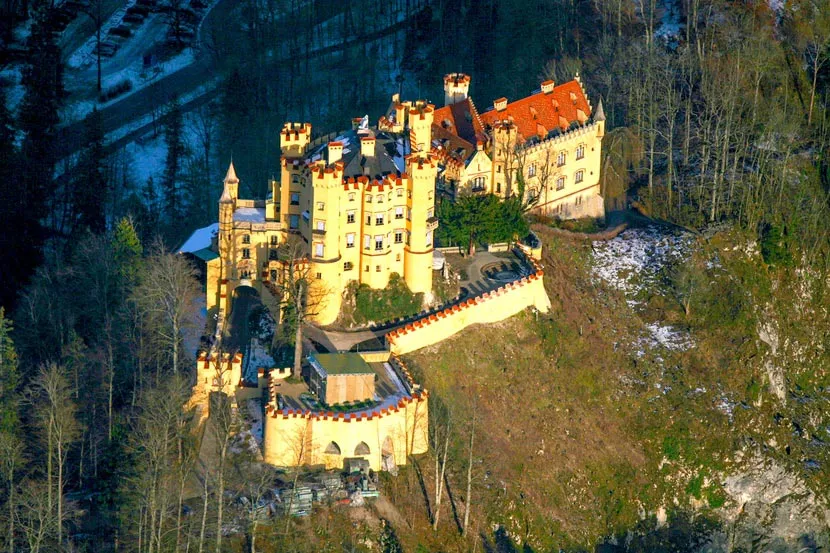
(38, 120)
(127, 250)
(149, 219)
(9, 377)
(10, 270)
(173, 208)
(89, 186)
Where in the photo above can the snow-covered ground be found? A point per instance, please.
(632, 263)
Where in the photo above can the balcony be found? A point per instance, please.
(318, 232)
(432, 223)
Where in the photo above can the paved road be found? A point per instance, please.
(70, 138)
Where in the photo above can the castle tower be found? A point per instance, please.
(456, 88)
(422, 171)
(294, 140)
(420, 127)
(227, 205)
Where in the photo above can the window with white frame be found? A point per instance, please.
(321, 206)
(351, 196)
(477, 184)
(321, 225)
(578, 201)
(560, 159)
(350, 216)
(579, 176)
(399, 213)
(367, 242)
(399, 192)
(429, 239)
(378, 219)
(531, 170)
(560, 183)
(580, 151)
(368, 198)
(318, 249)
(378, 242)
(246, 238)
(398, 237)
(350, 240)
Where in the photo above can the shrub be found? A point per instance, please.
(774, 246)
(392, 302)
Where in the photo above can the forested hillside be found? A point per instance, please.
(592, 424)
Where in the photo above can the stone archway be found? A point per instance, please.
(362, 449)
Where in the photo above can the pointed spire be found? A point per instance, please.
(231, 176)
(599, 114)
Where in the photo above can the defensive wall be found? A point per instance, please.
(489, 307)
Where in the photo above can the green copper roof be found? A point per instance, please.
(341, 363)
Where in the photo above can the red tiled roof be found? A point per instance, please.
(452, 144)
(460, 119)
(541, 111)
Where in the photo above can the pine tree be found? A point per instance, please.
(173, 208)
(127, 250)
(9, 377)
(89, 187)
(11, 272)
(149, 220)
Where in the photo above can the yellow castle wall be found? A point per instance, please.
(293, 438)
(490, 307)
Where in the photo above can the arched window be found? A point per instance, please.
(362, 449)
(333, 449)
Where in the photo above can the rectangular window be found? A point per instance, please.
(398, 213)
(350, 216)
(398, 237)
(368, 199)
(318, 249)
(408, 213)
(429, 239)
(560, 159)
(377, 268)
(378, 242)
(246, 238)
(430, 212)
(380, 198)
(477, 184)
(274, 240)
(368, 218)
(319, 276)
(351, 196)
(246, 253)
(321, 206)
(560, 183)
(367, 269)
(293, 221)
(348, 266)
(321, 225)
(580, 175)
(350, 240)
(399, 192)
(580, 151)
(531, 170)
(367, 242)
(273, 275)
(295, 198)
(378, 219)
(578, 201)
(429, 195)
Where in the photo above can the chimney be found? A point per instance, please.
(367, 146)
(335, 152)
(547, 86)
(500, 104)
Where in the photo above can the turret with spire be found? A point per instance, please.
(227, 205)
(599, 119)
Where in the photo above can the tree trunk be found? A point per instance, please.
(441, 483)
(468, 497)
(298, 336)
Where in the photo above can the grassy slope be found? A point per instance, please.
(577, 438)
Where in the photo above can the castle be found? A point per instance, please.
(551, 141)
(361, 206)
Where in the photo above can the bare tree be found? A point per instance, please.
(94, 10)
(165, 295)
(51, 397)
